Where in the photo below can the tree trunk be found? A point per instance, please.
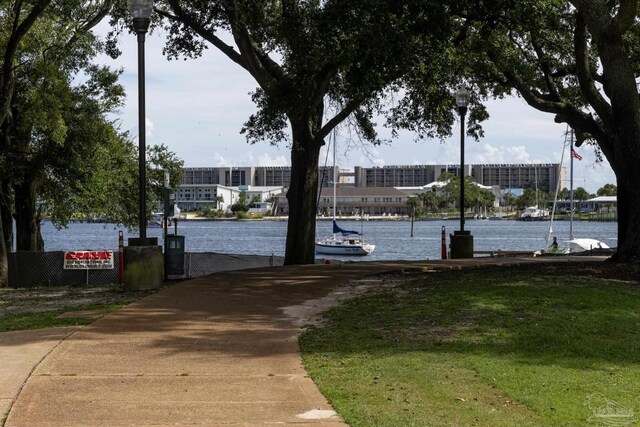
(6, 215)
(302, 197)
(625, 166)
(622, 147)
(6, 219)
(26, 223)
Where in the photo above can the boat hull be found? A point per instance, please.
(344, 248)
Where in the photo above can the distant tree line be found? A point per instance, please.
(479, 200)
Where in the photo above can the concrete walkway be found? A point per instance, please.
(218, 350)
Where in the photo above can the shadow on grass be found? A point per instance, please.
(530, 314)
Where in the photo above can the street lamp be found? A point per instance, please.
(462, 241)
(141, 13)
(142, 257)
(462, 100)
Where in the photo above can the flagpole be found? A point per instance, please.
(571, 189)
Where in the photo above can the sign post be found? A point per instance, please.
(88, 260)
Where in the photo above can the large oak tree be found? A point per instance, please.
(578, 60)
(58, 149)
(317, 64)
(20, 20)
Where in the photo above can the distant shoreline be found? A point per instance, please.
(391, 218)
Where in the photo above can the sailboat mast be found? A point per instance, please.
(535, 170)
(571, 189)
(334, 176)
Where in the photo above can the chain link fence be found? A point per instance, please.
(34, 269)
(197, 264)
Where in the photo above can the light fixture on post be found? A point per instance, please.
(462, 241)
(143, 256)
(141, 13)
(462, 101)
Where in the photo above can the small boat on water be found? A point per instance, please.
(534, 213)
(344, 242)
(157, 221)
(584, 244)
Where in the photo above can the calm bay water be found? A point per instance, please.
(392, 238)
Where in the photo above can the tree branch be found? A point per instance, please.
(584, 73)
(258, 63)
(183, 17)
(250, 56)
(20, 30)
(546, 71)
(626, 15)
(565, 111)
(94, 20)
(349, 108)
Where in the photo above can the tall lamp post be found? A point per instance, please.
(462, 100)
(141, 13)
(143, 256)
(462, 241)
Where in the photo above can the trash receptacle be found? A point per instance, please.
(174, 255)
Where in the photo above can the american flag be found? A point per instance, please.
(575, 155)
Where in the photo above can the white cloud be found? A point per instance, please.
(378, 162)
(150, 126)
(501, 154)
(265, 159)
(219, 161)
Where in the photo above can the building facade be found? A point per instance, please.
(506, 176)
(509, 176)
(355, 201)
(194, 197)
(260, 176)
(373, 190)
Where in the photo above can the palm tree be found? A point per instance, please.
(219, 200)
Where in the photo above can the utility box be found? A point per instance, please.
(461, 244)
(174, 255)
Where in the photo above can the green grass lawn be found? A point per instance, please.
(514, 346)
(40, 307)
(50, 319)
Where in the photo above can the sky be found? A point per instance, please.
(197, 108)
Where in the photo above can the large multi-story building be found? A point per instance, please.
(227, 176)
(394, 176)
(507, 176)
(262, 176)
(362, 189)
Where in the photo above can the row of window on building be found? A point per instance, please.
(545, 176)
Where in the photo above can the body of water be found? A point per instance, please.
(392, 238)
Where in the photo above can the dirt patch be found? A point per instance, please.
(310, 313)
(37, 300)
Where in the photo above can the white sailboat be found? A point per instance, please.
(576, 245)
(342, 242)
(535, 213)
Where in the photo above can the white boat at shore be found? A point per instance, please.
(534, 213)
(584, 244)
(344, 242)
